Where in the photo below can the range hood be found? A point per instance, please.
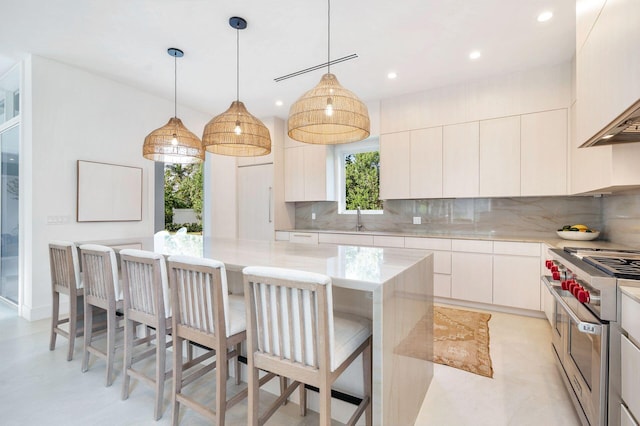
(625, 129)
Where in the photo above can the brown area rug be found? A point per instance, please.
(460, 340)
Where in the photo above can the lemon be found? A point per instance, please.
(581, 227)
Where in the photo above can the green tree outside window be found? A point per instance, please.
(362, 181)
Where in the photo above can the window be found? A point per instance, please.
(359, 177)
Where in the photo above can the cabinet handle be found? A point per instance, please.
(269, 206)
(302, 235)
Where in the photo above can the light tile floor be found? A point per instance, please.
(39, 387)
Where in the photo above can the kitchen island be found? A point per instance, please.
(392, 287)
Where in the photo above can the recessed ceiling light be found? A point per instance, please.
(475, 54)
(279, 103)
(12, 159)
(607, 137)
(392, 75)
(545, 16)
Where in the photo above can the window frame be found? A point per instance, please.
(340, 154)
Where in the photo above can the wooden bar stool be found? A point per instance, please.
(293, 332)
(101, 290)
(146, 301)
(204, 313)
(65, 279)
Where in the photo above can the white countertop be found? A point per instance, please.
(552, 241)
(361, 268)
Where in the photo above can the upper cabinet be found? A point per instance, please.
(500, 157)
(308, 172)
(411, 164)
(544, 153)
(607, 64)
(460, 155)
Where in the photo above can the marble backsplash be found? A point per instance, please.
(522, 216)
(621, 214)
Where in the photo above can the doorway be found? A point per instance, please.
(9, 214)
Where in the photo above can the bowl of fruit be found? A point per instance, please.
(577, 233)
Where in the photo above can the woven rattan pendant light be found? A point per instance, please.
(173, 142)
(328, 114)
(236, 132)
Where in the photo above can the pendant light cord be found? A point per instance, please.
(237, 64)
(328, 36)
(175, 87)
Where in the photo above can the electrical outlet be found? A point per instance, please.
(417, 220)
(313, 216)
(57, 220)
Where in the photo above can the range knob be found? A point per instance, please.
(548, 263)
(577, 289)
(565, 284)
(572, 286)
(555, 275)
(554, 268)
(584, 296)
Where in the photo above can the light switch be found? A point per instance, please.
(417, 220)
(313, 216)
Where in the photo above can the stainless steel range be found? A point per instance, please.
(586, 337)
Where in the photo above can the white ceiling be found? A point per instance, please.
(427, 42)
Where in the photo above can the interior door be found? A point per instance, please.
(9, 185)
(255, 202)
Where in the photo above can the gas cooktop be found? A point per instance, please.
(619, 263)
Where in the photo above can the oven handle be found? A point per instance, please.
(583, 326)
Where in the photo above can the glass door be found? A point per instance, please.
(9, 186)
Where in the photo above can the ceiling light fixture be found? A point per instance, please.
(545, 16)
(173, 142)
(392, 75)
(328, 114)
(475, 54)
(236, 132)
(279, 103)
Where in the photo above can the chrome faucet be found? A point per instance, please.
(359, 225)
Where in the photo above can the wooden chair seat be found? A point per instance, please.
(102, 289)
(65, 279)
(204, 313)
(293, 332)
(146, 300)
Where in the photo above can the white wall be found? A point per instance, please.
(539, 89)
(70, 114)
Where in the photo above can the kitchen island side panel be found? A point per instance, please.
(403, 343)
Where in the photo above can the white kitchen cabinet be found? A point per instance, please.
(347, 239)
(426, 163)
(441, 249)
(630, 372)
(461, 160)
(411, 164)
(500, 157)
(255, 160)
(282, 236)
(303, 237)
(607, 72)
(309, 173)
(543, 153)
(255, 202)
(395, 160)
(294, 174)
(516, 281)
(388, 241)
(442, 285)
(472, 277)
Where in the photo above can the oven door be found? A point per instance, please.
(558, 319)
(585, 357)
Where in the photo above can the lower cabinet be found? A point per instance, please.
(504, 273)
(516, 281)
(472, 277)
